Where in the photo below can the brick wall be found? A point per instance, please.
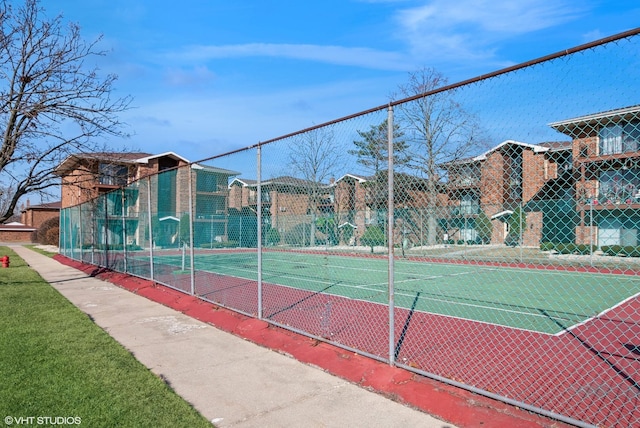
(16, 235)
(35, 217)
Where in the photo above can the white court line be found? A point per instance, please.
(381, 287)
(370, 288)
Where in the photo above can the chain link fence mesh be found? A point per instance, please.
(497, 249)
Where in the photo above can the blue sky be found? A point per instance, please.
(208, 77)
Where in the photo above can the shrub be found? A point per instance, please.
(49, 232)
(616, 249)
(567, 248)
(477, 241)
(585, 249)
(299, 235)
(51, 236)
(327, 226)
(611, 250)
(512, 240)
(484, 227)
(223, 244)
(272, 237)
(373, 236)
(631, 251)
(517, 222)
(547, 246)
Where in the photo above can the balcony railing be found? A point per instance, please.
(464, 181)
(465, 210)
(266, 199)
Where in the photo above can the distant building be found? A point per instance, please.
(15, 232)
(124, 216)
(606, 159)
(286, 201)
(496, 183)
(35, 215)
(31, 218)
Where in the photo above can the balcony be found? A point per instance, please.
(266, 199)
(212, 190)
(611, 198)
(465, 210)
(463, 182)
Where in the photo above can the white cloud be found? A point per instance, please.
(592, 35)
(467, 29)
(436, 30)
(338, 55)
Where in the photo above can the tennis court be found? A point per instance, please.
(538, 300)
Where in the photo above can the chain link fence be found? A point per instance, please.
(496, 250)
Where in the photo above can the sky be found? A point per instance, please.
(209, 76)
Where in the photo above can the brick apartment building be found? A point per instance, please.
(353, 202)
(606, 163)
(583, 191)
(511, 176)
(286, 201)
(86, 177)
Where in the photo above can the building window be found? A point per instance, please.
(619, 138)
(469, 204)
(513, 165)
(113, 174)
(466, 175)
(208, 206)
(206, 181)
(619, 186)
(584, 150)
(167, 188)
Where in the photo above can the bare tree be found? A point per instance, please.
(438, 129)
(51, 103)
(6, 194)
(315, 157)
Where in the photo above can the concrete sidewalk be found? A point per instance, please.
(232, 382)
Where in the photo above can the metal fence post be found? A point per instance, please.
(590, 232)
(259, 227)
(106, 231)
(81, 237)
(191, 264)
(390, 218)
(62, 241)
(521, 220)
(94, 239)
(150, 218)
(124, 230)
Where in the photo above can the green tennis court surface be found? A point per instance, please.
(533, 299)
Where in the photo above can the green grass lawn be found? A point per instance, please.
(40, 250)
(55, 362)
